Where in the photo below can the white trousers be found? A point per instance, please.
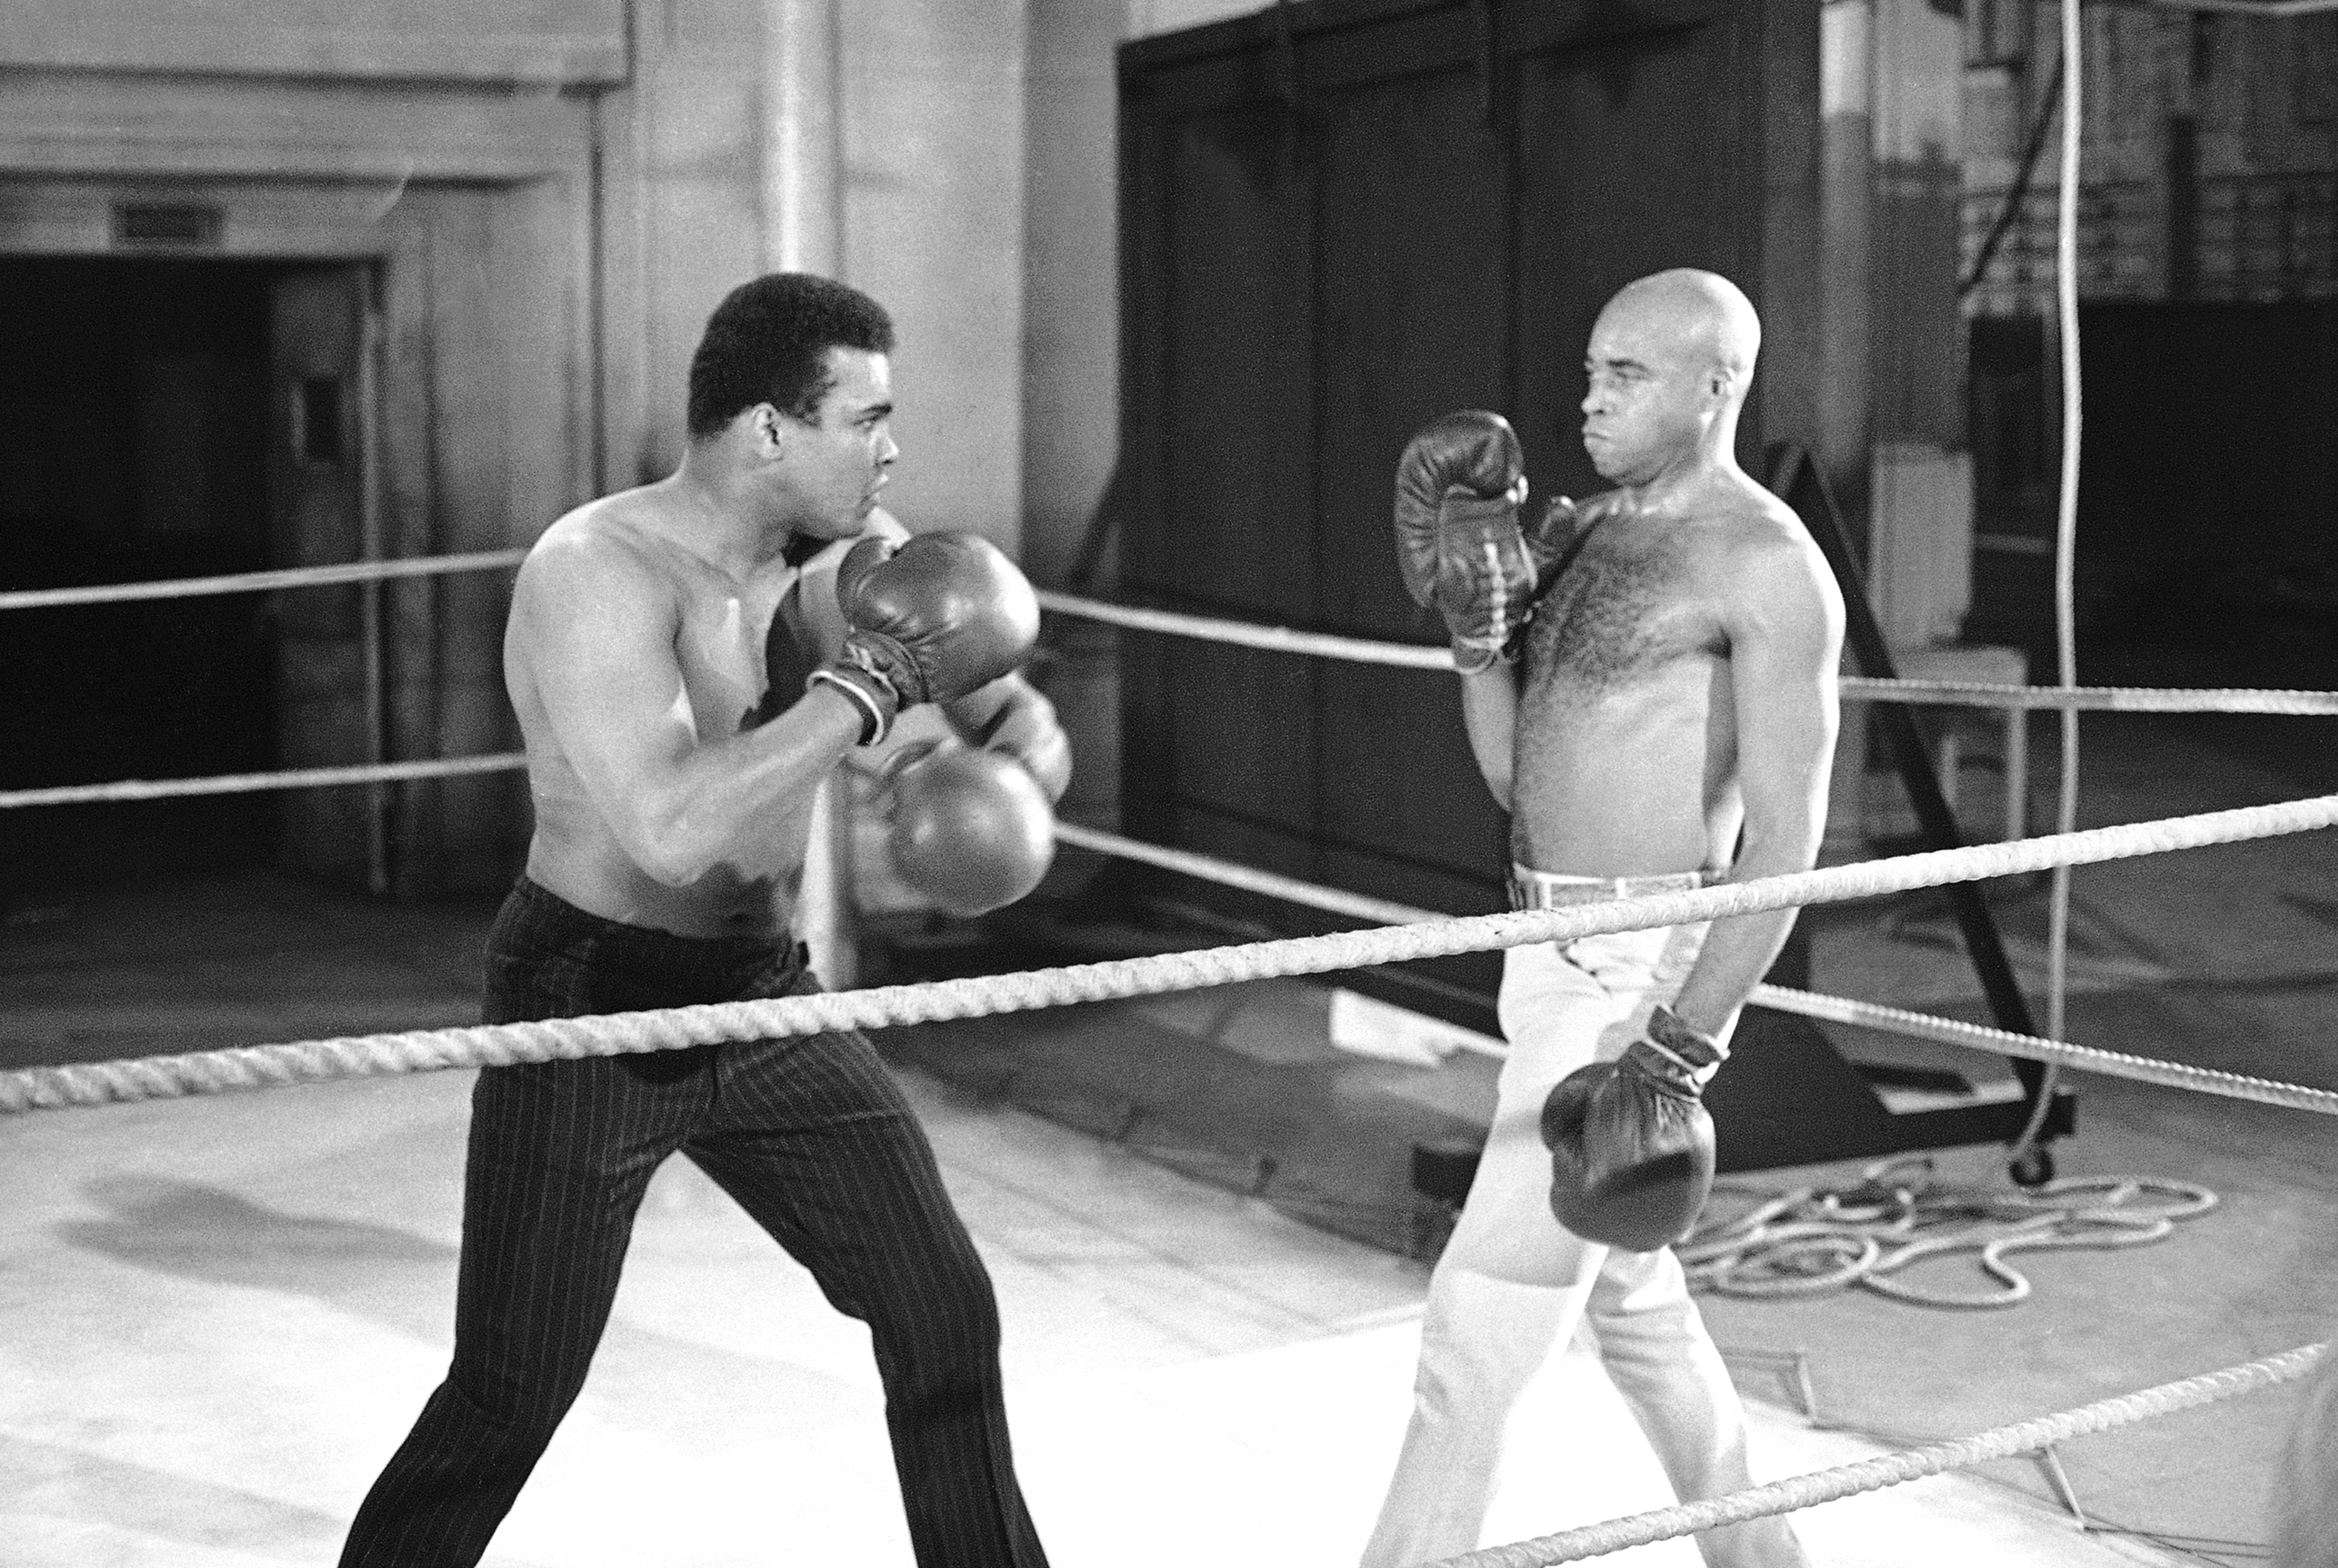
(1512, 1283)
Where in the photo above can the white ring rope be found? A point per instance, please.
(2093, 699)
(2086, 1058)
(248, 783)
(1938, 693)
(1250, 634)
(1942, 693)
(1808, 1004)
(1333, 900)
(259, 582)
(1890, 1469)
(1362, 907)
(1273, 639)
(265, 1066)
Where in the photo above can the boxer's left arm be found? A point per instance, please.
(1783, 618)
(1012, 716)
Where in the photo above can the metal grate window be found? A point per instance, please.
(176, 225)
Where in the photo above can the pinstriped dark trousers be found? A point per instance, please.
(812, 1139)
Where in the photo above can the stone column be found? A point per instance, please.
(802, 146)
(803, 227)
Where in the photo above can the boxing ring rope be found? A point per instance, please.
(1271, 639)
(248, 783)
(1333, 900)
(260, 582)
(1784, 999)
(1934, 693)
(887, 1007)
(1250, 634)
(1801, 1492)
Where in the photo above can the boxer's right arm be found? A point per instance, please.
(1489, 712)
(592, 630)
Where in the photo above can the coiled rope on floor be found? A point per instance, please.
(269, 1066)
(1892, 1469)
(1812, 1240)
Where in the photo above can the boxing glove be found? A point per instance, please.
(971, 830)
(1631, 1143)
(1459, 543)
(929, 619)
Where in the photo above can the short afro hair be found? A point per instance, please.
(768, 342)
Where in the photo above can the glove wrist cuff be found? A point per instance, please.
(1472, 654)
(1684, 1052)
(867, 690)
(885, 659)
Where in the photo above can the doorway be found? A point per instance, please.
(133, 436)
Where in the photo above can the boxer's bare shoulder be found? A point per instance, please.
(1768, 571)
(602, 583)
(613, 539)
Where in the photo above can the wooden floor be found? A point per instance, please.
(217, 1315)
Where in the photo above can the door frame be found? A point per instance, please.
(525, 268)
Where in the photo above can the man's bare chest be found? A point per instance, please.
(1624, 613)
(723, 646)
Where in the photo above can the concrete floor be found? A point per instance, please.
(217, 1315)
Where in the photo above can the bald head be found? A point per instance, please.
(1699, 315)
(1670, 360)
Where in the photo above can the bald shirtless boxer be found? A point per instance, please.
(1649, 684)
(689, 660)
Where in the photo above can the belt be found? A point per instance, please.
(1533, 889)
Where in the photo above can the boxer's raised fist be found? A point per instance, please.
(929, 619)
(1458, 487)
(970, 829)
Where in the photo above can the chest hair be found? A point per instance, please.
(1623, 609)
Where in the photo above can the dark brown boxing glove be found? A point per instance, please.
(931, 620)
(1631, 1143)
(1468, 543)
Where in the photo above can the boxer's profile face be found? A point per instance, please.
(836, 461)
(1646, 400)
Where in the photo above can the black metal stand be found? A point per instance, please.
(1793, 474)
